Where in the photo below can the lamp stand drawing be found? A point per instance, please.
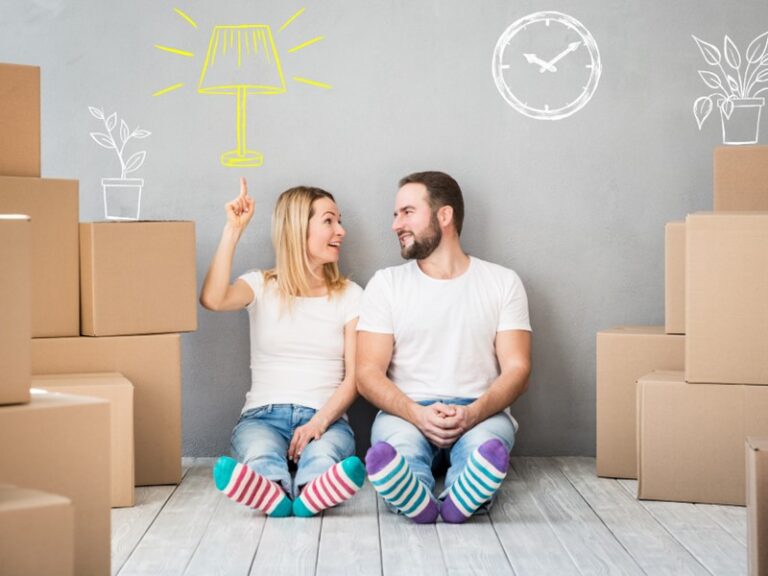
(242, 60)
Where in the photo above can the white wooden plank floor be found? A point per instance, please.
(553, 516)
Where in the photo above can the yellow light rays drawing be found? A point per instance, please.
(312, 82)
(305, 44)
(174, 50)
(169, 89)
(181, 13)
(291, 19)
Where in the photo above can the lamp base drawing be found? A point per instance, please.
(244, 159)
(122, 198)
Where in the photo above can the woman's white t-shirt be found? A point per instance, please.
(297, 352)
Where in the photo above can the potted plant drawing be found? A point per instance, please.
(122, 196)
(738, 83)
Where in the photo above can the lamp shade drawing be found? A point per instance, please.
(241, 60)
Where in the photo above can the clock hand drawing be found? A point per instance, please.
(550, 65)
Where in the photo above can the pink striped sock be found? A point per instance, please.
(241, 484)
(334, 486)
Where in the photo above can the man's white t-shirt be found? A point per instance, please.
(444, 330)
(297, 353)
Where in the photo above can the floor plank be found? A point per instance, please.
(349, 540)
(288, 546)
(171, 540)
(408, 548)
(473, 547)
(591, 545)
(733, 519)
(130, 524)
(652, 547)
(698, 532)
(525, 533)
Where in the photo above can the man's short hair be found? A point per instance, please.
(442, 190)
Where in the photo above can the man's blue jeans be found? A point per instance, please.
(262, 436)
(424, 457)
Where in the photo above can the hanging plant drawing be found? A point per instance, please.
(738, 82)
(122, 196)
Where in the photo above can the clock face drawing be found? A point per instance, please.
(546, 65)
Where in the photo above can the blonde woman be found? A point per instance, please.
(303, 315)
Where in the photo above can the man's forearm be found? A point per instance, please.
(380, 391)
(507, 388)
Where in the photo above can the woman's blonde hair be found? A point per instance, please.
(290, 227)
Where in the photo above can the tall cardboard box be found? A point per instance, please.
(674, 278)
(691, 438)
(60, 443)
(19, 120)
(757, 505)
(624, 355)
(118, 391)
(36, 533)
(727, 298)
(153, 366)
(54, 209)
(741, 178)
(137, 278)
(15, 308)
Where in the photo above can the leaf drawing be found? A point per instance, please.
(139, 134)
(701, 109)
(733, 84)
(732, 55)
(727, 107)
(124, 132)
(709, 51)
(711, 79)
(762, 76)
(757, 48)
(102, 140)
(111, 121)
(96, 113)
(135, 161)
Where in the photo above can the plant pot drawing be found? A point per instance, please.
(122, 198)
(741, 121)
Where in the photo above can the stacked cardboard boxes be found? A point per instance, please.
(692, 418)
(137, 281)
(757, 505)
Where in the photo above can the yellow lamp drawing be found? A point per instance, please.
(242, 60)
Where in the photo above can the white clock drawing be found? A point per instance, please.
(546, 65)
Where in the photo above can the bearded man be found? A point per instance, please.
(443, 350)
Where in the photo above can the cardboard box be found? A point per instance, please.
(727, 298)
(137, 278)
(118, 391)
(153, 366)
(757, 505)
(674, 278)
(60, 443)
(19, 120)
(36, 533)
(741, 178)
(54, 209)
(624, 355)
(15, 308)
(691, 438)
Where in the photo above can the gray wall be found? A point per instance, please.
(577, 207)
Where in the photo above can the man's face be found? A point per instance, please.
(415, 224)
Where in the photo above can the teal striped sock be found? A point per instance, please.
(393, 479)
(478, 482)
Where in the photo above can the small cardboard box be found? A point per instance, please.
(36, 533)
(19, 120)
(118, 391)
(726, 298)
(757, 505)
(137, 278)
(15, 308)
(623, 355)
(741, 178)
(691, 438)
(60, 443)
(153, 365)
(674, 278)
(54, 209)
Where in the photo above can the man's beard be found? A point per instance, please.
(422, 247)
